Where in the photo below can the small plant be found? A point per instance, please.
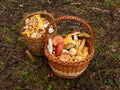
(99, 19)
(49, 87)
(5, 29)
(25, 75)
(15, 27)
(66, 1)
(20, 39)
(2, 63)
(67, 83)
(109, 82)
(9, 39)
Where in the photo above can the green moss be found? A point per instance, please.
(49, 87)
(99, 19)
(20, 39)
(18, 88)
(66, 1)
(111, 3)
(5, 29)
(9, 39)
(67, 83)
(16, 26)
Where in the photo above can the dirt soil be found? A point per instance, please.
(18, 72)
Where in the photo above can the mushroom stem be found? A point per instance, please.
(50, 46)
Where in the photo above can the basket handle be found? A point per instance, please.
(70, 18)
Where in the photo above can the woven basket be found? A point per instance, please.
(69, 70)
(36, 46)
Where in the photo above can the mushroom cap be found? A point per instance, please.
(64, 58)
(57, 39)
(85, 35)
(59, 49)
(75, 33)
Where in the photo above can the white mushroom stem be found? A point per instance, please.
(51, 30)
(50, 46)
(27, 21)
(75, 37)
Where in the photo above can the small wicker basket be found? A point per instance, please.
(36, 45)
(69, 70)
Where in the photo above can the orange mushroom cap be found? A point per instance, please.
(59, 49)
(57, 39)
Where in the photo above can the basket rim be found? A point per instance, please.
(53, 58)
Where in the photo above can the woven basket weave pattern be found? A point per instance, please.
(36, 46)
(67, 69)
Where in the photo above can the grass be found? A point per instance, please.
(49, 87)
(66, 1)
(111, 3)
(15, 27)
(5, 29)
(9, 39)
(20, 39)
(99, 19)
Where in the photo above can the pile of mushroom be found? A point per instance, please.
(70, 48)
(35, 26)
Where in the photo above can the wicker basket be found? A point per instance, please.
(69, 70)
(36, 46)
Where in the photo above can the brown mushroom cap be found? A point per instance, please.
(85, 35)
(57, 39)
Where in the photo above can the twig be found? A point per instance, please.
(30, 55)
(2, 5)
(5, 45)
(117, 59)
(98, 9)
(48, 1)
(75, 3)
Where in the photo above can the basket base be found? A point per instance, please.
(66, 75)
(37, 52)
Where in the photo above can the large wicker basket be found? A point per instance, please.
(67, 69)
(36, 46)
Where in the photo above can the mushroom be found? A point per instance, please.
(69, 45)
(64, 58)
(68, 39)
(80, 58)
(85, 35)
(40, 23)
(51, 30)
(27, 22)
(28, 33)
(75, 37)
(80, 48)
(57, 39)
(85, 52)
(50, 46)
(59, 49)
(73, 51)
